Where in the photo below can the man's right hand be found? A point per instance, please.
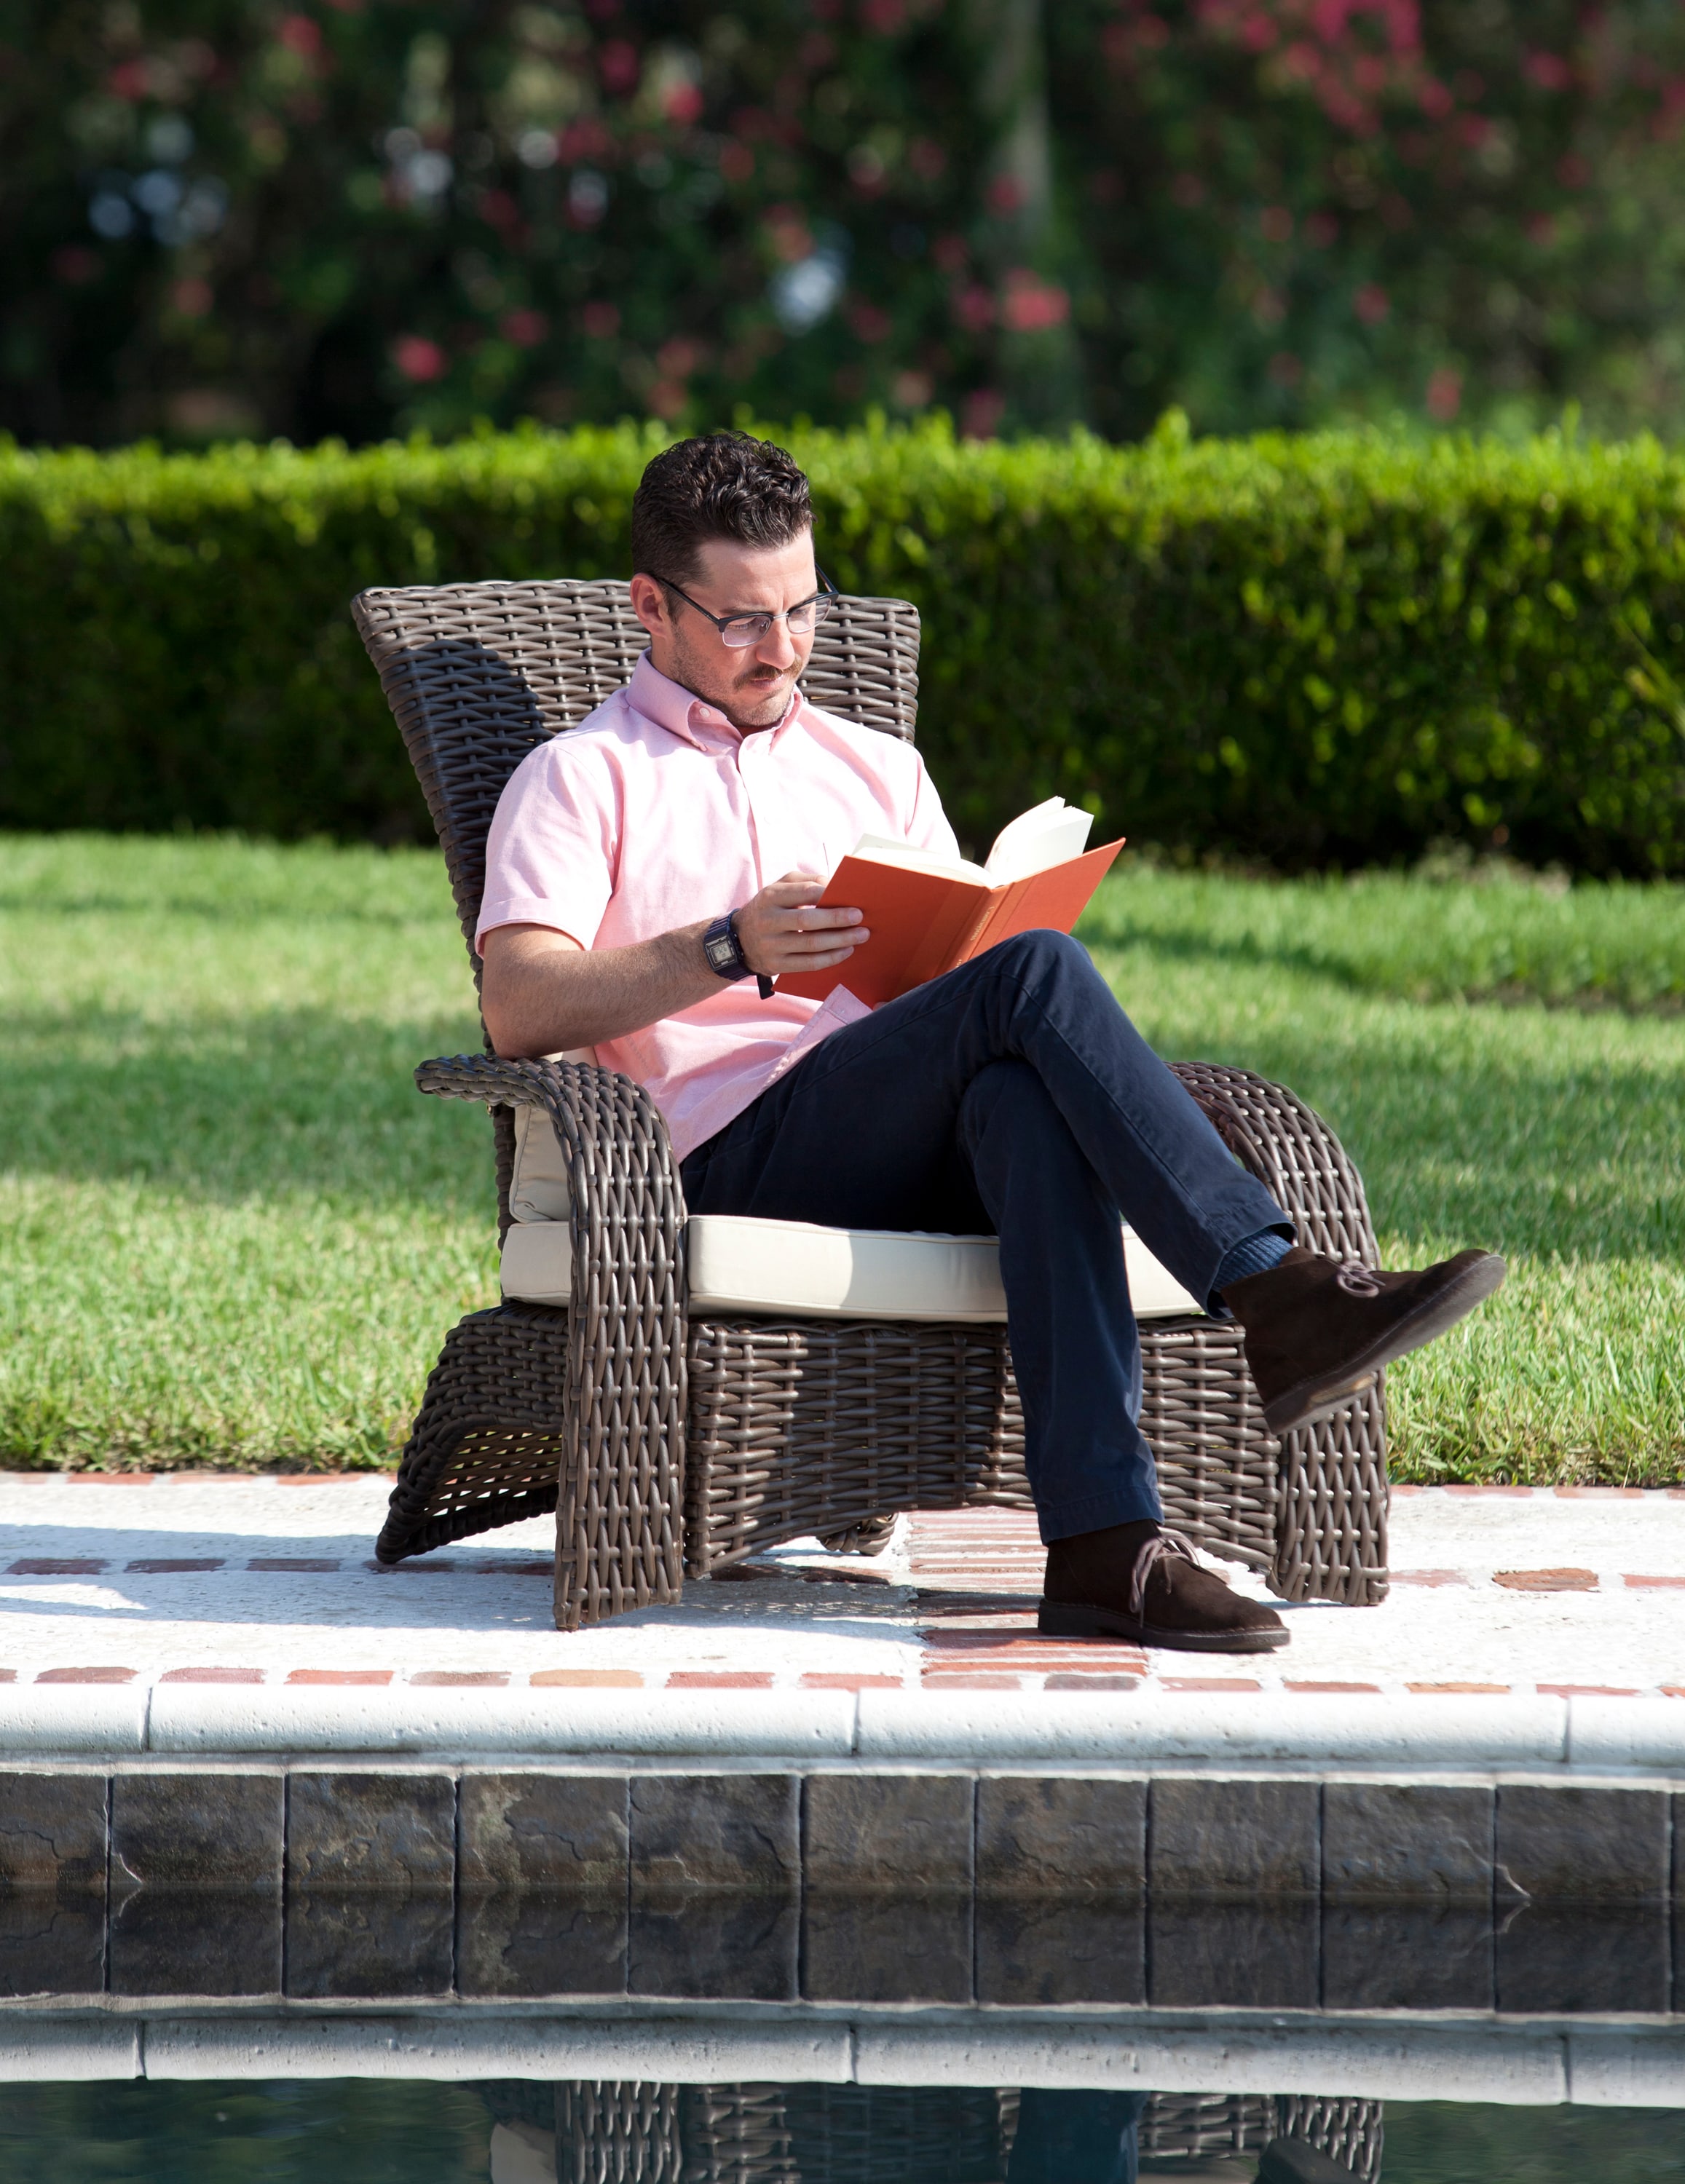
(783, 929)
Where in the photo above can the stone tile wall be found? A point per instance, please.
(839, 1886)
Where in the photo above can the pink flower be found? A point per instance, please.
(981, 412)
(600, 320)
(300, 35)
(1031, 305)
(617, 64)
(584, 139)
(1549, 71)
(974, 308)
(869, 323)
(419, 358)
(1444, 394)
(1372, 304)
(525, 328)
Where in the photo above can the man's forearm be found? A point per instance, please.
(542, 996)
(542, 993)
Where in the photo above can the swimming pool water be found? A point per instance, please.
(355, 2131)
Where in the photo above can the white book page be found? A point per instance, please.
(1046, 835)
(880, 849)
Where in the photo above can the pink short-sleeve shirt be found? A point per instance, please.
(653, 813)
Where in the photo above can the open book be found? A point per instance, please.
(927, 913)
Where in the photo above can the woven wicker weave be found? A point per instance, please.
(1348, 2131)
(668, 1443)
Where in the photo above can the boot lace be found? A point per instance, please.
(1357, 1280)
(1164, 1546)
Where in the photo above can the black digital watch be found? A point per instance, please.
(726, 958)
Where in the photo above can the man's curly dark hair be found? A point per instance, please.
(719, 485)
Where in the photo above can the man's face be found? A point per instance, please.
(751, 688)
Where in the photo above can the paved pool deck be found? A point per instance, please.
(194, 1608)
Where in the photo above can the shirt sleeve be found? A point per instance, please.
(553, 847)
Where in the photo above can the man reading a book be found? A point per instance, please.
(651, 875)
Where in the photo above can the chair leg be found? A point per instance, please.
(1331, 1536)
(486, 1443)
(620, 1512)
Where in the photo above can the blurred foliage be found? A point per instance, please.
(1303, 649)
(356, 216)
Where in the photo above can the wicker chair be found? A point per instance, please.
(670, 1443)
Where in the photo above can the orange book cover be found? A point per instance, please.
(924, 921)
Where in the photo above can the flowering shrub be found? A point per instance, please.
(1330, 647)
(357, 216)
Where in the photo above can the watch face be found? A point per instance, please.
(720, 952)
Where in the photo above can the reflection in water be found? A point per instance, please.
(522, 2131)
(938, 2135)
(1063, 2137)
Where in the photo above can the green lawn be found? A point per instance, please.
(230, 1231)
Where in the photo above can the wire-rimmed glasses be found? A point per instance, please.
(741, 631)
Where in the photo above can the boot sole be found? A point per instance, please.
(1311, 1400)
(1055, 1621)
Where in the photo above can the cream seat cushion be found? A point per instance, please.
(740, 1263)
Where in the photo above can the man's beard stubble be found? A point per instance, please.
(738, 700)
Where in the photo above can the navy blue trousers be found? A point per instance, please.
(1012, 1096)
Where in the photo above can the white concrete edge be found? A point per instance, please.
(1619, 1732)
(1606, 2070)
(1372, 2062)
(86, 1720)
(979, 1729)
(664, 2051)
(1447, 1729)
(1508, 2065)
(41, 2051)
(555, 1721)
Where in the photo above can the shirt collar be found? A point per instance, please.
(671, 706)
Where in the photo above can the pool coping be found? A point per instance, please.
(1574, 1736)
(1602, 2063)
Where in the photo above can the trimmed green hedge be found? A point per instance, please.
(1331, 649)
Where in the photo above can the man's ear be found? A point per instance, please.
(649, 605)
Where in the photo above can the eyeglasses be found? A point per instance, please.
(741, 631)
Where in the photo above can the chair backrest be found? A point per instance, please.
(477, 674)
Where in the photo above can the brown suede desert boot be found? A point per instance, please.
(1317, 1330)
(1138, 1583)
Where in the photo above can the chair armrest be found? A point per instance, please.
(1294, 1154)
(626, 1204)
(623, 1467)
